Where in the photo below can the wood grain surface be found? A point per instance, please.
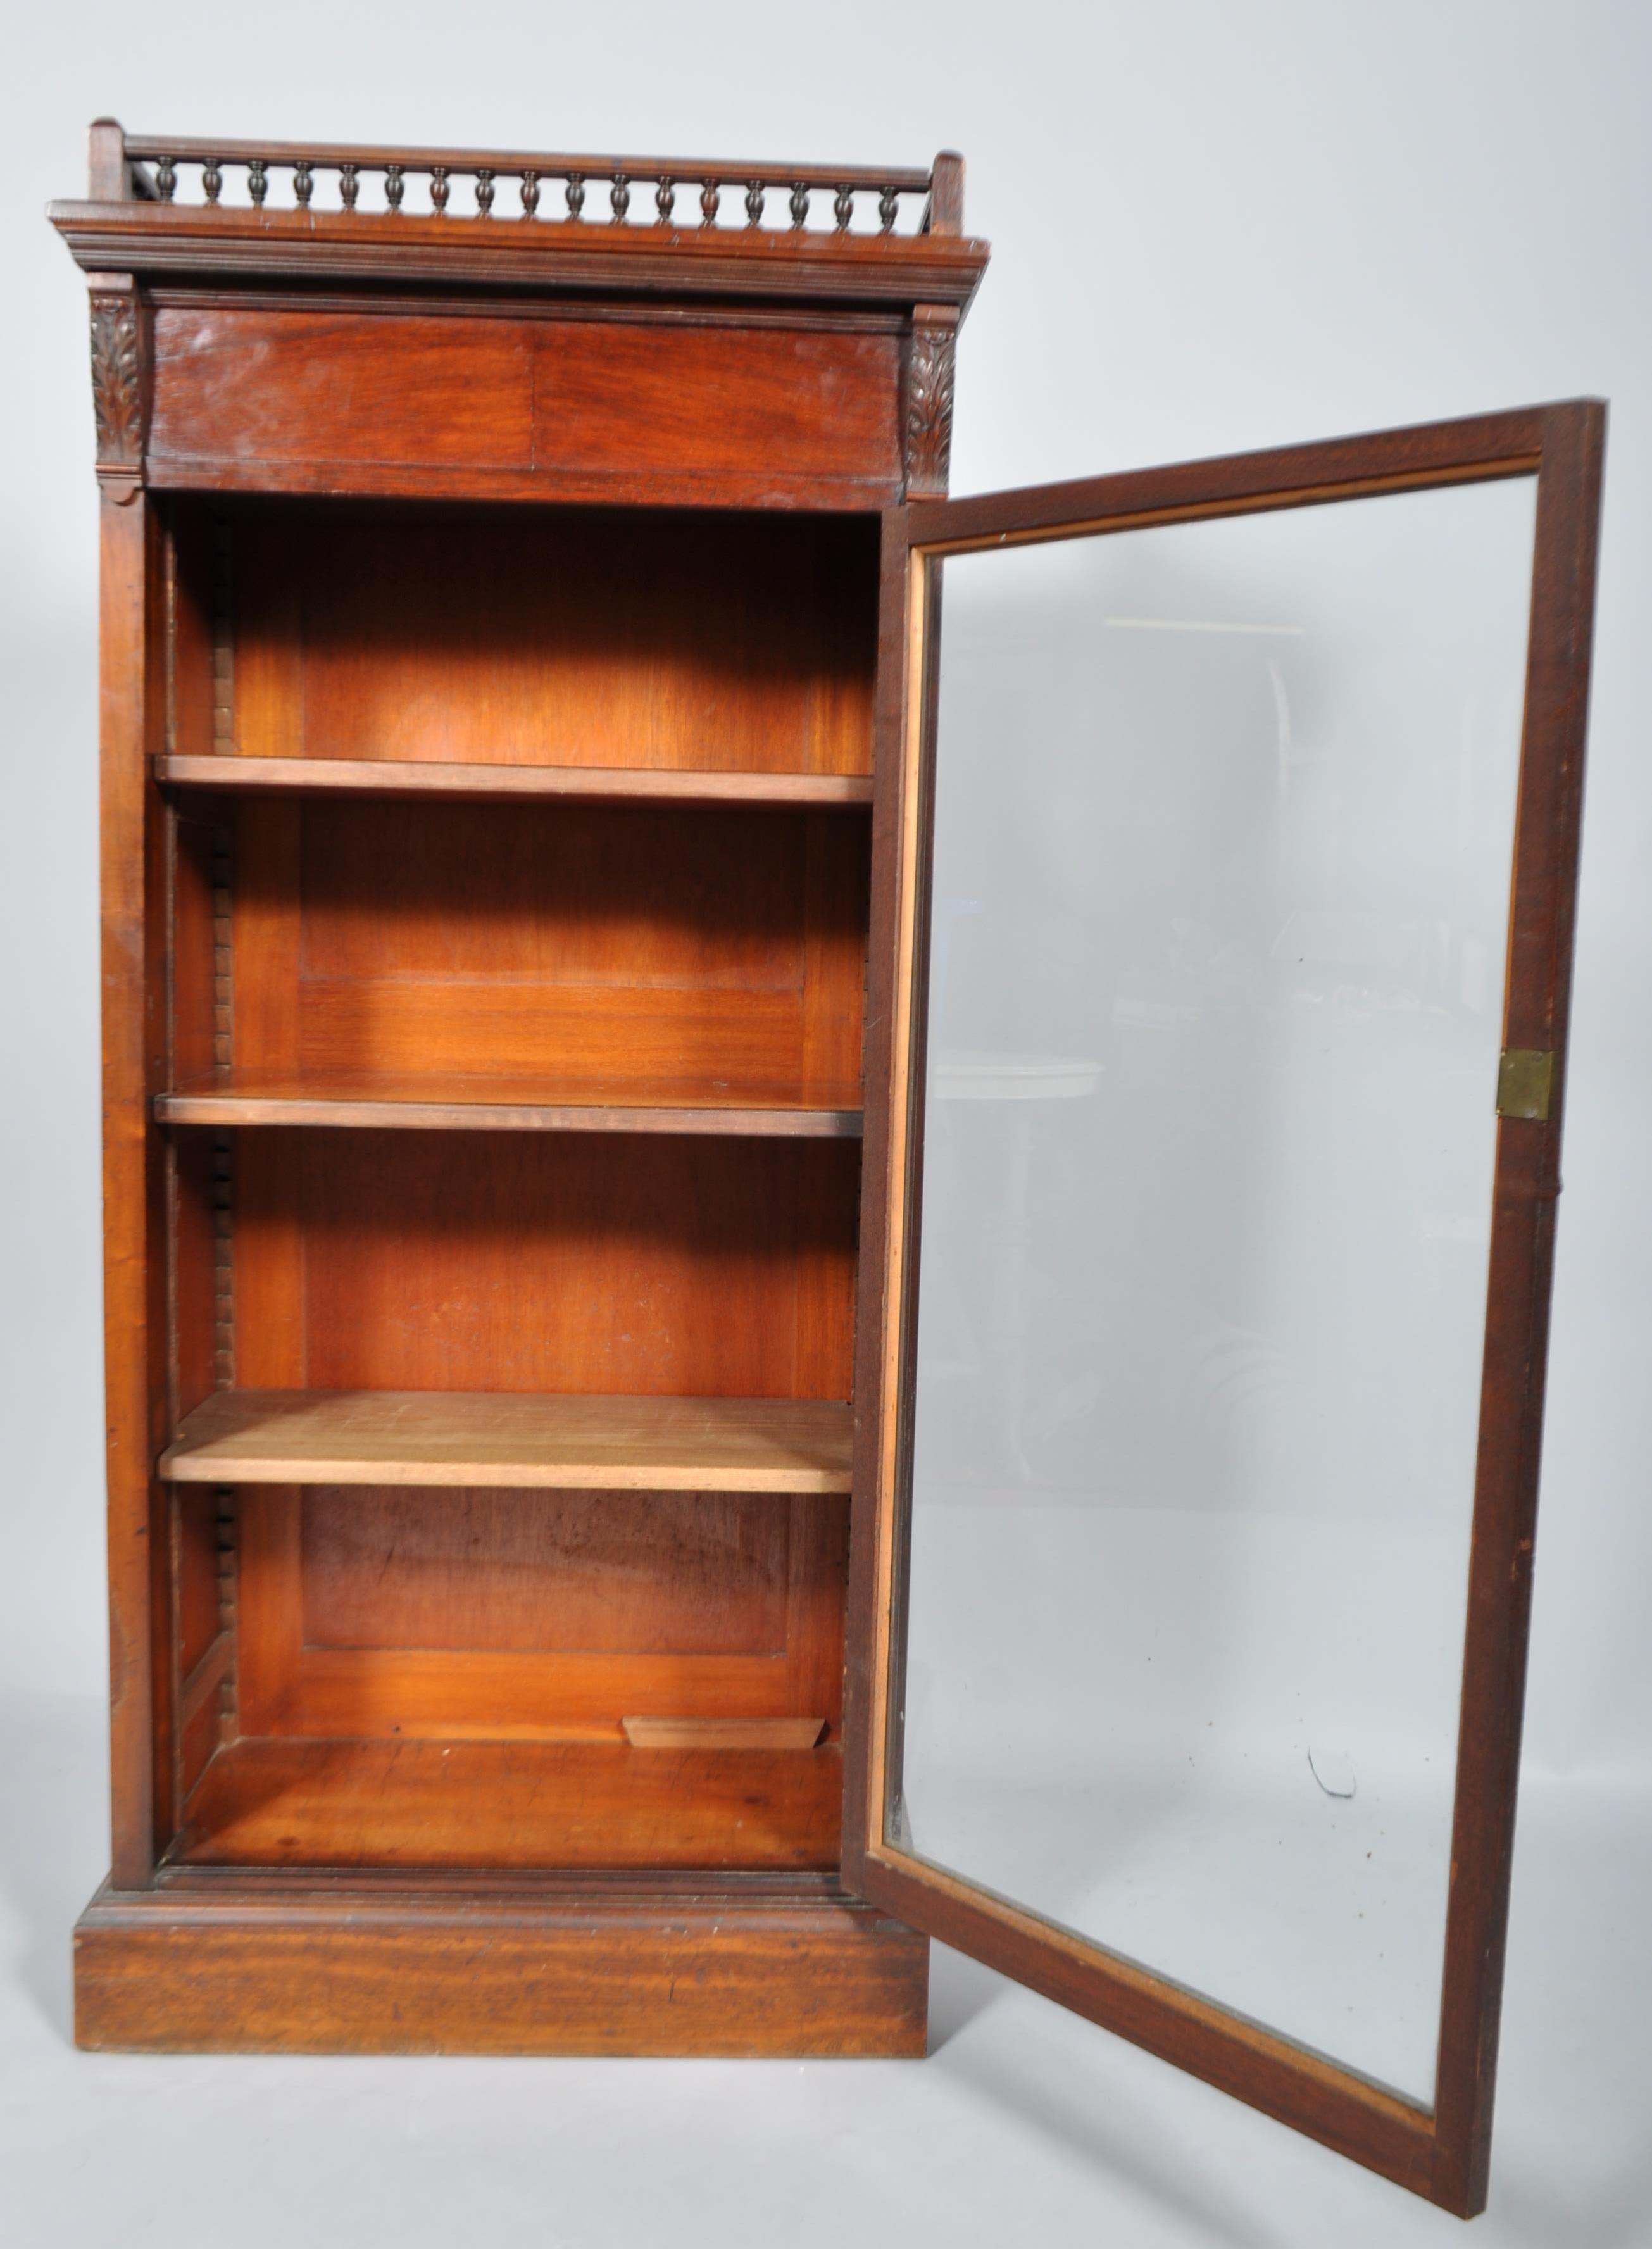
(142, 1671)
(435, 397)
(645, 638)
(397, 1613)
(244, 246)
(385, 1101)
(520, 1804)
(723, 1733)
(790, 1969)
(482, 1570)
(490, 1438)
(338, 776)
(564, 1263)
(523, 827)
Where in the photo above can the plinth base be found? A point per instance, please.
(272, 1964)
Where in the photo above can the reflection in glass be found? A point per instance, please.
(1223, 827)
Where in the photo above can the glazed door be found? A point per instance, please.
(1224, 861)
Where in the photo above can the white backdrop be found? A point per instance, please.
(1216, 226)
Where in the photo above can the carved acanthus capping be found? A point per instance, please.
(120, 386)
(929, 409)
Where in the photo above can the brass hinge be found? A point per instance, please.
(1524, 1077)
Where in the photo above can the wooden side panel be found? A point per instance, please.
(638, 637)
(823, 1270)
(194, 1248)
(688, 1975)
(194, 962)
(200, 1645)
(359, 400)
(197, 1568)
(132, 883)
(267, 933)
(198, 1739)
(194, 574)
(838, 865)
(270, 1277)
(269, 1603)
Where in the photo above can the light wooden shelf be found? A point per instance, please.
(502, 784)
(532, 1440)
(497, 1105)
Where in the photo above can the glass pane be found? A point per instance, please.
(1224, 824)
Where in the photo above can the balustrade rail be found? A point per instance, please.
(529, 188)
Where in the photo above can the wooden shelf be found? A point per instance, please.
(495, 1105)
(494, 1438)
(505, 784)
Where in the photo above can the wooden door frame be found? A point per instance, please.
(1441, 2151)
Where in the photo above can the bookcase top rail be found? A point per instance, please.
(606, 188)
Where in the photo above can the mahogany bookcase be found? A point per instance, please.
(519, 750)
(490, 613)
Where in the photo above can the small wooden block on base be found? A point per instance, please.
(723, 1733)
